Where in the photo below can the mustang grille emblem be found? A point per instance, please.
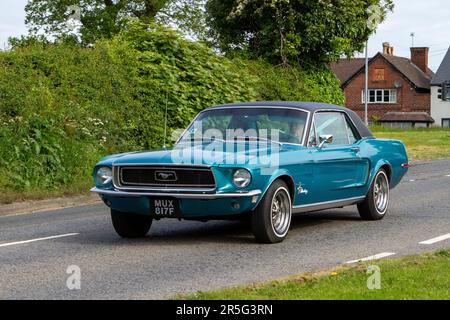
(165, 176)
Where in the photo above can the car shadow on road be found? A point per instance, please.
(173, 232)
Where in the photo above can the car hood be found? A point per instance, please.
(241, 153)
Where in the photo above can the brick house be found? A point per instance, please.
(399, 88)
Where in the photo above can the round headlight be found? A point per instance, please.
(242, 178)
(104, 176)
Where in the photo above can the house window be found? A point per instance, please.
(379, 75)
(381, 96)
(444, 93)
(446, 123)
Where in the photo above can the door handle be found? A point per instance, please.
(355, 149)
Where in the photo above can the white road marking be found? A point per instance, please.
(448, 175)
(38, 239)
(412, 180)
(437, 239)
(375, 257)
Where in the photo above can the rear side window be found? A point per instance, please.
(353, 134)
(334, 123)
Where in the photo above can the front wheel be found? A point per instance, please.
(272, 218)
(376, 204)
(130, 225)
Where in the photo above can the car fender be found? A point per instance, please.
(277, 174)
(373, 172)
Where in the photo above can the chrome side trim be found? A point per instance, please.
(327, 205)
(205, 196)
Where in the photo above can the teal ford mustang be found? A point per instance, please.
(264, 161)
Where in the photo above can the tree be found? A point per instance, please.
(93, 19)
(285, 30)
(187, 15)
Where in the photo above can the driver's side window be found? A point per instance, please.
(332, 123)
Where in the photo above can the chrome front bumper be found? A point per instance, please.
(205, 196)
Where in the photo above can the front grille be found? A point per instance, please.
(164, 177)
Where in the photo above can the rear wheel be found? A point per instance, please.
(272, 218)
(130, 225)
(376, 204)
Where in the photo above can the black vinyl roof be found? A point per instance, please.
(307, 106)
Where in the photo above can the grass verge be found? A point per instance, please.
(75, 189)
(422, 144)
(424, 276)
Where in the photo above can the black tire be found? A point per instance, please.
(263, 225)
(373, 208)
(130, 225)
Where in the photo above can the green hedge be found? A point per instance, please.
(63, 107)
(293, 83)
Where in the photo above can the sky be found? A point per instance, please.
(428, 19)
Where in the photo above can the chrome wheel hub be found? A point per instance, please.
(281, 212)
(381, 193)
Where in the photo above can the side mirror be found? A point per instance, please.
(325, 139)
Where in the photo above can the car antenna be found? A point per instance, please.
(165, 120)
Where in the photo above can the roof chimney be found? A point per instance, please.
(388, 49)
(419, 56)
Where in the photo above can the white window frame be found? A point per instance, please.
(392, 96)
(442, 122)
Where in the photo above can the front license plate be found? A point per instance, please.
(165, 208)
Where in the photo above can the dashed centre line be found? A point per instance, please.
(37, 239)
(374, 257)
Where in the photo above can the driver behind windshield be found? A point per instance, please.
(295, 132)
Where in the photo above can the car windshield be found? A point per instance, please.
(276, 125)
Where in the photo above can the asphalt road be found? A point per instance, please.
(179, 257)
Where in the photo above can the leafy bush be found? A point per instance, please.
(187, 73)
(294, 83)
(51, 103)
(62, 107)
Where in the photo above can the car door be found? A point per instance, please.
(339, 171)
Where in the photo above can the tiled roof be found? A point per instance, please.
(443, 73)
(407, 117)
(345, 69)
(419, 78)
